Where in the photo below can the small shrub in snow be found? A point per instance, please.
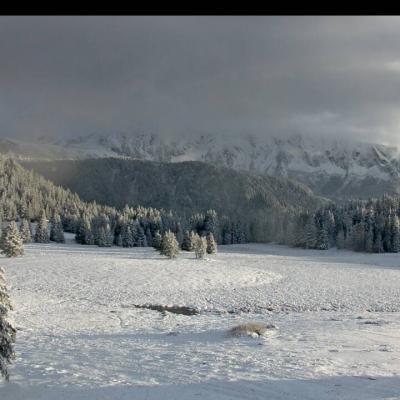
(11, 242)
(251, 329)
(169, 245)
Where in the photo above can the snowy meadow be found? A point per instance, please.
(86, 329)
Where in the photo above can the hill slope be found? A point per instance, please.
(181, 187)
(330, 167)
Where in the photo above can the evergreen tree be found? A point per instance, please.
(226, 236)
(187, 244)
(7, 330)
(211, 224)
(25, 231)
(340, 240)
(378, 245)
(322, 242)
(11, 243)
(56, 230)
(311, 233)
(134, 233)
(211, 244)
(141, 237)
(149, 237)
(105, 237)
(169, 245)
(200, 246)
(358, 237)
(196, 223)
(395, 230)
(42, 233)
(369, 230)
(157, 240)
(127, 236)
(387, 234)
(84, 234)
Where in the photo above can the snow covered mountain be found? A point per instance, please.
(330, 167)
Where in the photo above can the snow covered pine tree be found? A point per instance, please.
(169, 245)
(42, 233)
(187, 244)
(211, 244)
(200, 246)
(56, 230)
(7, 331)
(25, 231)
(11, 243)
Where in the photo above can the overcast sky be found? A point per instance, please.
(67, 76)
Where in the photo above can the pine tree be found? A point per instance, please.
(169, 245)
(141, 237)
(322, 242)
(187, 244)
(358, 237)
(157, 240)
(211, 244)
(42, 234)
(56, 230)
(196, 223)
(11, 243)
(340, 240)
(149, 237)
(84, 234)
(25, 231)
(7, 330)
(126, 234)
(369, 240)
(378, 245)
(369, 231)
(211, 223)
(200, 246)
(134, 233)
(311, 233)
(226, 236)
(395, 230)
(105, 237)
(387, 234)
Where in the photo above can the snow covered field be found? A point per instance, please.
(81, 335)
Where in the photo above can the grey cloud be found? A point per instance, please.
(63, 76)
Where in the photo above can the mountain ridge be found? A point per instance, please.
(333, 168)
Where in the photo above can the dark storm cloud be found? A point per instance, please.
(64, 76)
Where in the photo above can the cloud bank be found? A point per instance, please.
(66, 76)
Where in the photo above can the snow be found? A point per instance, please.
(81, 337)
(287, 155)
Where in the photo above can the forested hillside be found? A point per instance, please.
(25, 195)
(235, 207)
(181, 187)
(371, 226)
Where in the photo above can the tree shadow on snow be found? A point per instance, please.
(329, 388)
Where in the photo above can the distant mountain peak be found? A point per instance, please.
(330, 166)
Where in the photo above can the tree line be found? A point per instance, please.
(371, 226)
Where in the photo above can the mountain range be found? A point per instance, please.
(334, 168)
